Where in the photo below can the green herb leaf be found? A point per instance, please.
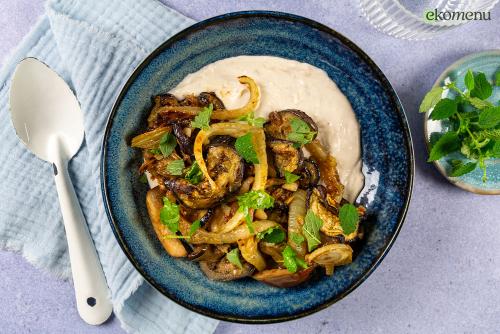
(155, 151)
(194, 174)
(167, 144)
(291, 261)
(290, 177)
(488, 134)
(482, 88)
(251, 120)
(202, 120)
(479, 104)
(175, 167)
(489, 118)
(459, 169)
(430, 99)
(444, 109)
(169, 215)
(254, 199)
(495, 150)
(349, 218)
(310, 229)
(497, 79)
(449, 142)
(244, 147)
(273, 235)
(194, 227)
(301, 133)
(143, 179)
(234, 257)
(296, 238)
(469, 80)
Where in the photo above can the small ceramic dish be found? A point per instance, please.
(388, 162)
(489, 63)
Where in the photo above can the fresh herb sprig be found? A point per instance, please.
(254, 199)
(475, 122)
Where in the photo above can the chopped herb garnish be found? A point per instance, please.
(296, 238)
(273, 235)
(349, 218)
(194, 174)
(310, 229)
(301, 133)
(291, 261)
(194, 227)
(175, 167)
(167, 144)
(202, 120)
(143, 179)
(169, 215)
(244, 147)
(254, 199)
(290, 177)
(252, 120)
(234, 257)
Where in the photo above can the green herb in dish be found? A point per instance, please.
(291, 261)
(202, 120)
(273, 235)
(349, 218)
(254, 199)
(175, 167)
(301, 133)
(234, 257)
(310, 229)
(194, 174)
(167, 145)
(252, 120)
(244, 147)
(474, 123)
(169, 215)
(290, 177)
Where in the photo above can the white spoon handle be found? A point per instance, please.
(91, 291)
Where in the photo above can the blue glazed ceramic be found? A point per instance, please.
(489, 63)
(387, 161)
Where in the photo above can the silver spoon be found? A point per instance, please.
(48, 120)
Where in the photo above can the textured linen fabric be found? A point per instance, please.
(94, 45)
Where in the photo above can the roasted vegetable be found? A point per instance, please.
(225, 270)
(282, 278)
(330, 256)
(309, 174)
(285, 156)
(279, 124)
(240, 232)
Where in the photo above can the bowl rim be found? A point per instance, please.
(395, 100)
(439, 166)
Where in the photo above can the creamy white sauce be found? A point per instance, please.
(288, 84)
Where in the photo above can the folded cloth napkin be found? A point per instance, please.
(94, 45)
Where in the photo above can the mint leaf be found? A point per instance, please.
(495, 151)
(290, 177)
(169, 215)
(430, 99)
(202, 120)
(296, 238)
(460, 168)
(175, 167)
(469, 80)
(194, 227)
(447, 143)
(482, 88)
(194, 174)
(251, 120)
(244, 147)
(167, 144)
(143, 179)
(291, 261)
(493, 134)
(497, 79)
(273, 235)
(254, 199)
(479, 104)
(301, 133)
(349, 218)
(444, 109)
(489, 118)
(310, 230)
(234, 257)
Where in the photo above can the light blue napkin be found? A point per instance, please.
(94, 45)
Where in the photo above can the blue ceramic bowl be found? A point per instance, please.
(387, 161)
(489, 63)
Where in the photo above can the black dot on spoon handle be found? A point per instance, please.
(91, 301)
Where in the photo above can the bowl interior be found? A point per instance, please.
(387, 161)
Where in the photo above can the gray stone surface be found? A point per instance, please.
(442, 274)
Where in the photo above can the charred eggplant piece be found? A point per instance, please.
(185, 142)
(282, 278)
(285, 156)
(309, 174)
(279, 126)
(205, 99)
(225, 270)
(206, 253)
(225, 166)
